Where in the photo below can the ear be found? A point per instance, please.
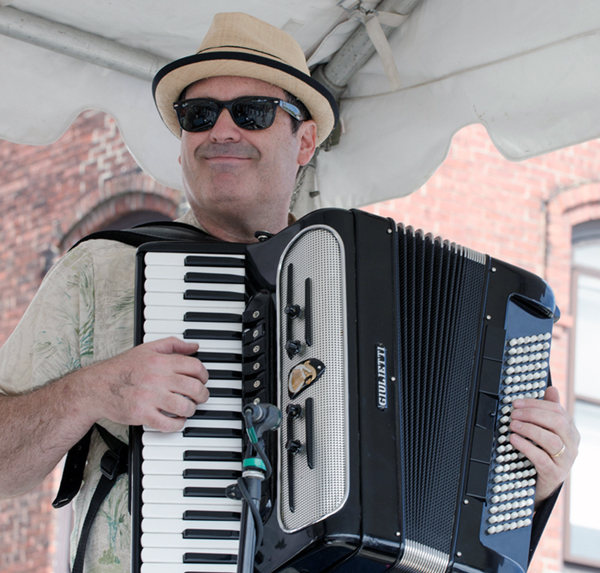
(307, 134)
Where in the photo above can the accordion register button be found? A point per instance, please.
(252, 334)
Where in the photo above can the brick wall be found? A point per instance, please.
(49, 196)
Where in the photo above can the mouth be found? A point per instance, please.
(227, 153)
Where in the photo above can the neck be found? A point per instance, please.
(238, 229)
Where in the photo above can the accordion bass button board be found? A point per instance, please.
(394, 357)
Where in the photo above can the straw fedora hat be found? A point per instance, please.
(240, 45)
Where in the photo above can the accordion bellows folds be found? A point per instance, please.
(394, 357)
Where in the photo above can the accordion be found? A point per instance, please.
(394, 358)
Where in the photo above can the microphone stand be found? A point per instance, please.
(256, 468)
(252, 479)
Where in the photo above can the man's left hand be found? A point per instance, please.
(546, 434)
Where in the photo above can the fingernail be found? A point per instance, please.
(518, 403)
(516, 414)
(516, 425)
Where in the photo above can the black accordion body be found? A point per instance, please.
(394, 358)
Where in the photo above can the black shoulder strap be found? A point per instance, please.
(114, 462)
(150, 232)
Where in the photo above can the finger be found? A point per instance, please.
(543, 439)
(173, 345)
(552, 395)
(178, 405)
(192, 388)
(555, 421)
(189, 366)
(164, 421)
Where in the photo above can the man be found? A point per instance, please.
(70, 364)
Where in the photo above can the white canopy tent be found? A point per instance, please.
(529, 70)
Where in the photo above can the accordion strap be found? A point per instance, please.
(114, 462)
(155, 231)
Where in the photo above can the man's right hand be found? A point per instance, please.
(157, 384)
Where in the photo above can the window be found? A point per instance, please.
(583, 526)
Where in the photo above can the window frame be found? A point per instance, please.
(586, 233)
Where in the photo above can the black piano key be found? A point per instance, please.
(214, 295)
(211, 317)
(207, 515)
(203, 261)
(209, 558)
(195, 334)
(224, 374)
(215, 415)
(211, 433)
(192, 473)
(212, 278)
(210, 456)
(204, 492)
(218, 357)
(210, 534)
(225, 393)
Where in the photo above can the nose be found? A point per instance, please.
(225, 128)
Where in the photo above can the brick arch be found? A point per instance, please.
(114, 208)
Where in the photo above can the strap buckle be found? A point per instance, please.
(109, 465)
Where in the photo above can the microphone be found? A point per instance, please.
(264, 417)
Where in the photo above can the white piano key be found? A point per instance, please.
(178, 439)
(168, 285)
(178, 259)
(180, 483)
(153, 525)
(164, 511)
(177, 300)
(159, 467)
(165, 496)
(179, 326)
(187, 568)
(168, 555)
(175, 453)
(231, 384)
(202, 423)
(209, 345)
(179, 272)
(221, 404)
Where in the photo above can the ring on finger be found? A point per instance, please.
(559, 453)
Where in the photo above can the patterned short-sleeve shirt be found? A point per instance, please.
(82, 313)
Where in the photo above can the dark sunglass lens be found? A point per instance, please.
(253, 114)
(198, 116)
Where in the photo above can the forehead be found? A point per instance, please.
(230, 87)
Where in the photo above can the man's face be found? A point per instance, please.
(239, 178)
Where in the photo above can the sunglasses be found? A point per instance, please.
(250, 112)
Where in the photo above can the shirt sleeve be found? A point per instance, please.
(50, 339)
